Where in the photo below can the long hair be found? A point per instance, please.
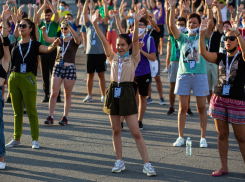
(127, 39)
(32, 25)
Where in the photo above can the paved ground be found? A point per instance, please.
(83, 151)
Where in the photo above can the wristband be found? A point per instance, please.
(6, 41)
(238, 34)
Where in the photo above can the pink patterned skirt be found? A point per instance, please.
(230, 110)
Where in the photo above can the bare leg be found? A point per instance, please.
(55, 88)
(135, 132)
(116, 135)
(201, 108)
(2, 159)
(168, 53)
(121, 119)
(159, 86)
(137, 97)
(68, 86)
(209, 96)
(142, 106)
(171, 94)
(84, 41)
(239, 132)
(183, 107)
(90, 83)
(222, 129)
(149, 90)
(101, 76)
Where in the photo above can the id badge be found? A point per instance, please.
(23, 68)
(93, 42)
(110, 30)
(192, 64)
(226, 89)
(117, 92)
(178, 54)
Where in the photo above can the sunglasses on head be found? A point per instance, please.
(65, 28)
(22, 26)
(231, 38)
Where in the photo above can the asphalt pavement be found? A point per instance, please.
(83, 150)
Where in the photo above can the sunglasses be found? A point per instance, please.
(22, 26)
(231, 38)
(65, 28)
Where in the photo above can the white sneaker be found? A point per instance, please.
(203, 143)
(149, 170)
(118, 167)
(88, 98)
(107, 61)
(165, 70)
(102, 99)
(13, 143)
(81, 46)
(179, 142)
(2, 165)
(35, 144)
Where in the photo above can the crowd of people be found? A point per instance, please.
(205, 57)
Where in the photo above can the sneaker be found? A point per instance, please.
(118, 167)
(107, 62)
(13, 143)
(49, 120)
(149, 170)
(81, 46)
(189, 112)
(171, 111)
(58, 99)
(165, 70)
(203, 143)
(140, 125)
(122, 125)
(64, 121)
(46, 98)
(9, 100)
(2, 165)
(162, 102)
(102, 99)
(149, 100)
(88, 98)
(179, 142)
(35, 144)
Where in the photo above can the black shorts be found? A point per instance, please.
(96, 62)
(161, 30)
(142, 83)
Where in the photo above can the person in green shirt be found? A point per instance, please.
(51, 29)
(192, 74)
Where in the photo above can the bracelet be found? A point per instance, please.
(238, 12)
(52, 45)
(238, 34)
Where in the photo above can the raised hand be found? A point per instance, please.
(240, 8)
(139, 15)
(194, 1)
(216, 3)
(54, 2)
(29, 6)
(6, 14)
(79, 4)
(5, 7)
(56, 42)
(234, 27)
(209, 2)
(166, 5)
(204, 25)
(172, 2)
(202, 2)
(22, 6)
(95, 16)
(90, 6)
(214, 9)
(43, 28)
(19, 14)
(231, 9)
(115, 12)
(34, 6)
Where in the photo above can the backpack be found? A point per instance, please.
(153, 64)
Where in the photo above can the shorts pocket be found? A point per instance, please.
(108, 97)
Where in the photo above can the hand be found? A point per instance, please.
(143, 2)
(204, 25)
(202, 3)
(216, 3)
(56, 42)
(43, 28)
(115, 12)
(240, 8)
(234, 27)
(5, 7)
(34, 6)
(90, 6)
(19, 14)
(209, 2)
(214, 9)
(167, 5)
(29, 6)
(141, 44)
(79, 4)
(22, 6)
(231, 9)
(194, 1)
(6, 14)
(114, 1)
(138, 16)
(172, 2)
(95, 16)
(139, 5)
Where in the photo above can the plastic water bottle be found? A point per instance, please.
(188, 146)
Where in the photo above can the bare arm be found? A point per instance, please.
(74, 34)
(29, 11)
(106, 13)
(6, 14)
(56, 15)
(152, 22)
(167, 10)
(148, 4)
(160, 13)
(85, 12)
(239, 38)
(35, 13)
(152, 4)
(210, 17)
(45, 35)
(118, 22)
(40, 12)
(173, 28)
(193, 6)
(135, 40)
(80, 7)
(227, 4)
(219, 15)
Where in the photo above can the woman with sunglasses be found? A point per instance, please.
(120, 96)
(22, 80)
(4, 65)
(227, 104)
(64, 70)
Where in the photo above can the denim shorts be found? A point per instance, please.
(2, 139)
(198, 83)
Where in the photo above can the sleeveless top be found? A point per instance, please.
(3, 73)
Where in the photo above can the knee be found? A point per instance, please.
(202, 109)
(137, 135)
(54, 94)
(240, 138)
(223, 135)
(101, 76)
(116, 131)
(67, 95)
(183, 109)
(158, 79)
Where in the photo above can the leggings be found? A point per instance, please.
(22, 86)
(2, 140)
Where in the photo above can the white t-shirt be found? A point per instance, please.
(81, 21)
(224, 13)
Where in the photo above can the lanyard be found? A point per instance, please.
(151, 32)
(93, 32)
(228, 68)
(65, 49)
(47, 27)
(60, 15)
(111, 22)
(209, 43)
(26, 51)
(192, 45)
(119, 70)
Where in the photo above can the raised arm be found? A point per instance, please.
(118, 22)
(106, 12)
(80, 7)
(193, 2)
(208, 56)
(219, 16)
(152, 22)
(29, 6)
(210, 17)
(160, 13)
(135, 40)
(45, 35)
(74, 34)
(152, 4)
(47, 49)
(239, 13)
(167, 10)
(40, 12)
(239, 37)
(56, 15)
(6, 14)
(85, 12)
(106, 45)
(200, 6)
(173, 28)
(227, 3)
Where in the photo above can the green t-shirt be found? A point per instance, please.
(175, 52)
(185, 55)
(52, 31)
(102, 10)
